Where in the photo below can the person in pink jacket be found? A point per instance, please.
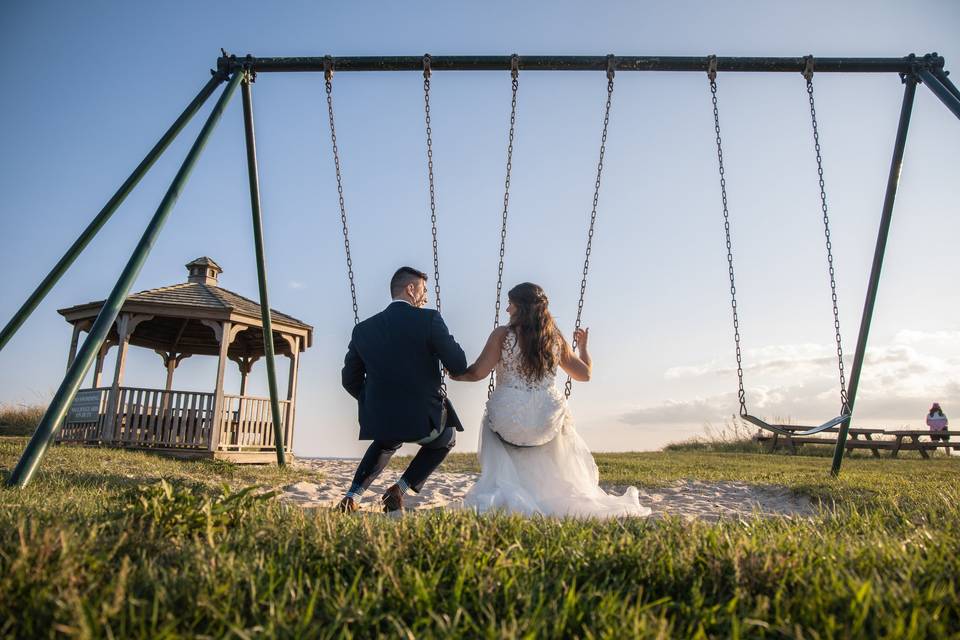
(937, 421)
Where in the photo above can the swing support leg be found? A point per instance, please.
(101, 219)
(893, 179)
(938, 85)
(253, 174)
(54, 416)
(947, 83)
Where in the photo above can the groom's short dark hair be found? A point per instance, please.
(403, 277)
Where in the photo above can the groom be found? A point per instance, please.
(392, 368)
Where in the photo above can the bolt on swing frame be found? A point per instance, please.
(928, 70)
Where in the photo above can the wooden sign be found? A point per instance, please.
(85, 407)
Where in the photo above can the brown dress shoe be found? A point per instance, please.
(347, 505)
(392, 499)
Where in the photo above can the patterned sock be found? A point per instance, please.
(355, 492)
(403, 486)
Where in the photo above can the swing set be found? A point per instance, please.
(236, 71)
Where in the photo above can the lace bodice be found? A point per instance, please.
(508, 368)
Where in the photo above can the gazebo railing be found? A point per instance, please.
(181, 420)
(246, 424)
(142, 417)
(154, 417)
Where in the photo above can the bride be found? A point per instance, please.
(532, 459)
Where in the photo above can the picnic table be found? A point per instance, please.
(857, 439)
(902, 440)
(912, 436)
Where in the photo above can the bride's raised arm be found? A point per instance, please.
(577, 365)
(487, 359)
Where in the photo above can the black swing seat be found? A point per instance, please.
(778, 429)
(521, 446)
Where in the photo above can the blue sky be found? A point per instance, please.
(89, 87)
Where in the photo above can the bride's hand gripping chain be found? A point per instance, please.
(580, 336)
(578, 364)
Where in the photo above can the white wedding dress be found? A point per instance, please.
(557, 476)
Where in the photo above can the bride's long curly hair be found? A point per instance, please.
(537, 333)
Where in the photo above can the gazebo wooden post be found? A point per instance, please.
(109, 427)
(219, 418)
(292, 385)
(98, 367)
(171, 367)
(74, 341)
(171, 360)
(245, 365)
(126, 325)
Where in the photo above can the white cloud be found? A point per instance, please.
(296, 284)
(800, 383)
(940, 338)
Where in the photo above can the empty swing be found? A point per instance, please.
(844, 404)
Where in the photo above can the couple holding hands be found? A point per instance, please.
(532, 459)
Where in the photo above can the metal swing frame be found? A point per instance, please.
(927, 70)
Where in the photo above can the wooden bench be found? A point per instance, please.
(857, 439)
(909, 440)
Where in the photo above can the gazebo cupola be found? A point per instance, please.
(196, 317)
(203, 271)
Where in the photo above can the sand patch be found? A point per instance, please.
(692, 499)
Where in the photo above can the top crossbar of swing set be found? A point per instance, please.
(907, 64)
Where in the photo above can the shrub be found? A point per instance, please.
(20, 419)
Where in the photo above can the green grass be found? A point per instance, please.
(119, 544)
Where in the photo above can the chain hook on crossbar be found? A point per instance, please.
(250, 76)
(328, 68)
(808, 68)
(712, 68)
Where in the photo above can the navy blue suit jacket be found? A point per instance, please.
(392, 368)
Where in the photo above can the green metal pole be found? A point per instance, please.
(88, 234)
(253, 174)
(893, 179)
(57, 410)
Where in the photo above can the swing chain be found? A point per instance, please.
(712, 76)
(611, 63)
(515, 84)
(433, 201)
(808, 76)
(328, 81)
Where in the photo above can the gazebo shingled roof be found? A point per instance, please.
(179, 310)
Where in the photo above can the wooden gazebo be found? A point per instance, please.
(197, 317)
